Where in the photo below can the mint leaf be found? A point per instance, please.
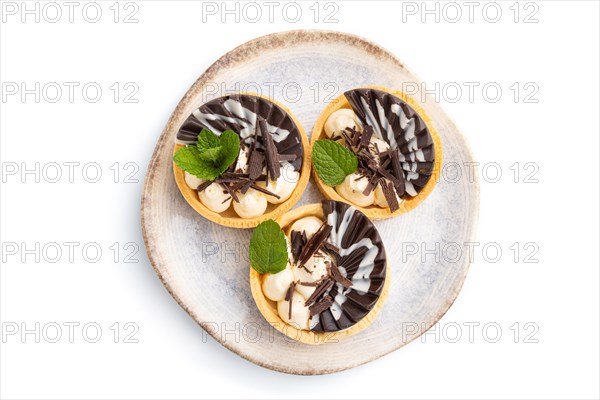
(230, 147)
(209, 146)
(268, 248)
(211, 156)
(208, 171)
(188, 159)
(221, 150)
(333, 162)
(207, 140)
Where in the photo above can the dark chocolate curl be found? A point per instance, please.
(390, 195)
(255, 164)
(271, 155)
(314, 243)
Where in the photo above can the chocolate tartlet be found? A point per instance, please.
(270, 171)
(336, 280)
(397, 148)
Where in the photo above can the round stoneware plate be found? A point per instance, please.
(205, 265)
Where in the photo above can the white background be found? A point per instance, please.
(163, 53)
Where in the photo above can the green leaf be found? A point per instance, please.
(212, 155)
(230, 147)
(207, 140)
(333, 162)
(268, 248)
(188, 159)
(208, 171)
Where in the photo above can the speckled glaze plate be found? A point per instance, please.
(205, 266)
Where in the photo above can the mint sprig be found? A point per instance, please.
(333, 162)
(211, 156)
(188, 159)
(207, 140)
(268, 248)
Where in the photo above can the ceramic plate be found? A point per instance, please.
(205, 266)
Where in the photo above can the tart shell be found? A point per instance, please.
(268, 308)
(406, 204)
(229, 217)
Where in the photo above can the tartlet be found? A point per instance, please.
(245, 114)
(348, 296)
(395, 121)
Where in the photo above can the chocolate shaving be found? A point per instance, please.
(298, 242)
(265, 191)
(271, 154)
(227, 179)
(347, 135)
(383, 172)
(314, 243)
(233, 175)
(321, 306)
(255, 164)
(370, 185)
(400, 189)
(288, 297)
(390, 195)
(396, 167)
(385, 163)
(289, 292)
(319, 291)
(339, 278)
(312, 284)
(306, 269)
(238, 185)
(365, 138)
(246, 186)
(352, 137)
(204, 185)
(355, 138)
(231, 192)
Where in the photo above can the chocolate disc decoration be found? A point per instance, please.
(242, 113)
(397, 123)
(356, 274)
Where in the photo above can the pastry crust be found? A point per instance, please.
(268, 308)
(374, 212)
(229, 217)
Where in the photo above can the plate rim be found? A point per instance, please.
(235, 56)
